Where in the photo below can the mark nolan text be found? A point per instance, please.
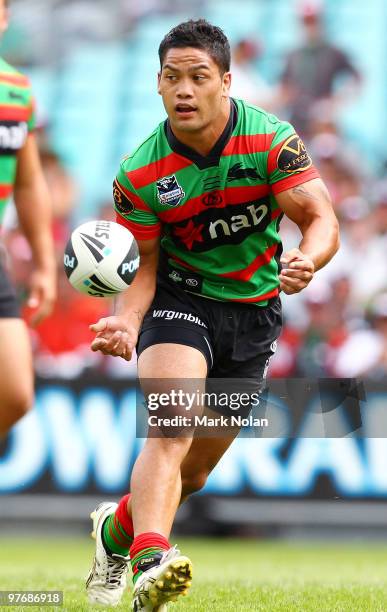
(205, 421)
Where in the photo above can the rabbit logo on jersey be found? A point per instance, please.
(169, 191)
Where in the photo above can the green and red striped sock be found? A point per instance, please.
(117, 530)
(145, 550)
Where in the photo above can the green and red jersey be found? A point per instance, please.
(217, 215)
(17, 118)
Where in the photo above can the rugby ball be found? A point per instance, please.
(101, 258)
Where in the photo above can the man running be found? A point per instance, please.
(203, 195)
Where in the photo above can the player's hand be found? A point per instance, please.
(42, 294)
(297, 271)
(115, 336)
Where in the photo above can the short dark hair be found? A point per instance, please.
(202, 35)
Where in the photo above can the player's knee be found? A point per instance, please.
(193, 482)
(173, 447)
(12, 409)
(20, 403)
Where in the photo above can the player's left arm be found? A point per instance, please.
(309, 206)
(34, 209)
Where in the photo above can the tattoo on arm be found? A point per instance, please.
(325, 192)
(139, 315)
(300, 190)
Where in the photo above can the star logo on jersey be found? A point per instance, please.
(189, 234)
(169, 192)
(237, 172)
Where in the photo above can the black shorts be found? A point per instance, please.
(9, 307)
(236, 339)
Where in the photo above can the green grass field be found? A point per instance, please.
(229, 575)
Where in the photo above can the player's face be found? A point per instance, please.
(192, 88)
(3, 16)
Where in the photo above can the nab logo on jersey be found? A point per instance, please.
(12, 136)
(169, 191)
(256, 215)
(215, 227)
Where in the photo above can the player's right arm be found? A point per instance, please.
(117, 335)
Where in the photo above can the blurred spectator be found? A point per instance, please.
(62, 341)
(311, 71)
(133, 12)
(312, 356)
(380, 210)
(338, 164)
(106, 211)
(327, 321)
(284, 362)
(363, 254)
(81, 21)
(63, 192)
(365, 351)
(246, 83)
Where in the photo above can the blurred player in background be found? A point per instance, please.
(213, 182)
(20, 173)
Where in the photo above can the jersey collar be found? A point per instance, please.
(212, 159)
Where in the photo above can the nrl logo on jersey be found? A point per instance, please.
(169, 191)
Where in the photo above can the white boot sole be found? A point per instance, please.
(172, 580)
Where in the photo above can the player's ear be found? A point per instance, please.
(226, 84)
(158, 82)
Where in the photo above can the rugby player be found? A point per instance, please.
(21, 173)
(203, 195)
